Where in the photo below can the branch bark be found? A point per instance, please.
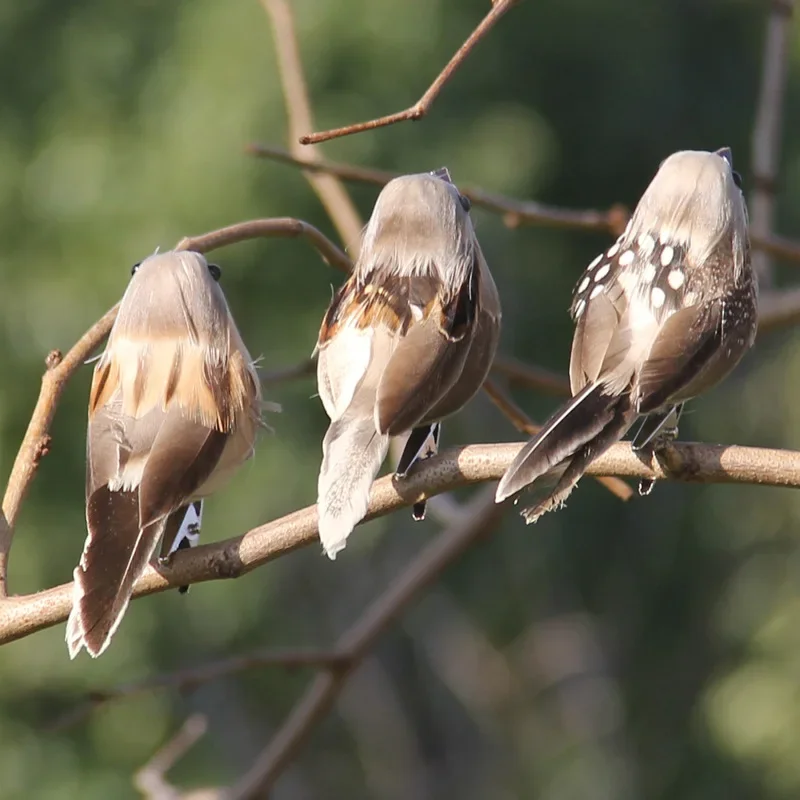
(358, 640)
(332, 194)
(231, 558)
(423, 105)
(767, 129)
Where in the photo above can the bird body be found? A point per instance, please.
(407, 340)
(665, 314)
(174, 408)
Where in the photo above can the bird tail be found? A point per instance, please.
(352, 454)
(115, 555)
(552, 463)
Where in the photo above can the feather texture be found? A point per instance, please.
(407, 339)
(174, 408)
(663, 315)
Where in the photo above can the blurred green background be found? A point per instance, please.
(640, 650)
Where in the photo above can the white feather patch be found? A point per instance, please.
(341, 367)
(353, 452)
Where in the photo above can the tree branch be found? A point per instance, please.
(192, 677)
(767, 129)
(270, 228)
(36, 442)
(516, 212)
(331, 192)
(357, 641)
(423, 105)
(231, 558)
(151, 779)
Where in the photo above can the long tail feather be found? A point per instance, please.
(555, 459)
(352, 454)
(116, 553)
(572, 470)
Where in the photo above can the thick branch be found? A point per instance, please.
(700, 463)
(423, 105)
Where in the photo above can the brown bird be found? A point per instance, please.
(407, 340)
(174, 408)
(664, 315)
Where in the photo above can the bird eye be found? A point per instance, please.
(466, 203)
(737, 178)
(215, 271)
(135, 267)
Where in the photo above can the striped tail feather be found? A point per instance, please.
(551, 464)
(115, 555)
(352, 454)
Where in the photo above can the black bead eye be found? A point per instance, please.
(466, 203)
(215, 271)
(737, 178)
(135, 267)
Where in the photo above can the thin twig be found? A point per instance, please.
(423, 105)
(231, 558)
(332, 194)
(767, 129)
(518, 373)
(151, 779)
(514, 211)
(357, 641)
(272, 228)
(524, 424)
(192, 677)
(302, 370)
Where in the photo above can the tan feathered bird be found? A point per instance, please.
(664, 315)
(174, 409)
(407, 340)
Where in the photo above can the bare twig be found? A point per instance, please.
(522, 374)
(192, 677)
(302, 370)
(231, 558)
(332, 194)
(36, 443)
(767, 129)
(272, 228)
(151, 779)
(424, 569)
(423, 105)
(514, 211)
(524, 424)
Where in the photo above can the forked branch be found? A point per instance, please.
(423, 105)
